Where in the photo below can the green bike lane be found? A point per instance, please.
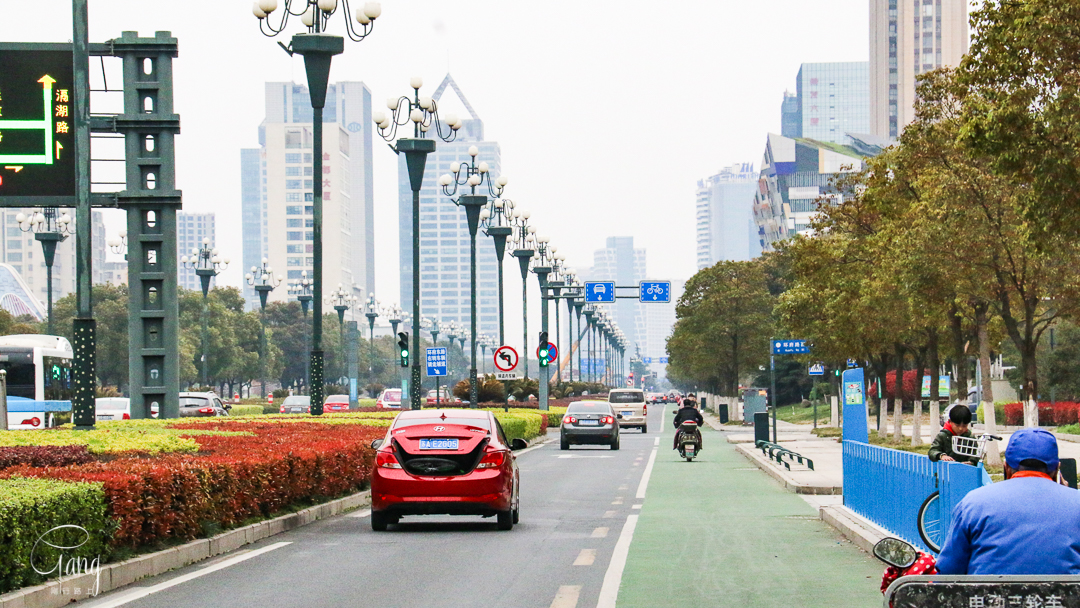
(719, 532)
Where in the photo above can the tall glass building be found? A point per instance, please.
(725, 220)
(834, 99)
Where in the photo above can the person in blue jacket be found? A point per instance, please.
(1028, 524)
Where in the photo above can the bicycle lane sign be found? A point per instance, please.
(654, 291)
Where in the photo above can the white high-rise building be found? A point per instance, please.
(277, 190)
(725, 218)
(445, 288)
(908, 38)
(191, 229)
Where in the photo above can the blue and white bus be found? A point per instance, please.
(39, 383)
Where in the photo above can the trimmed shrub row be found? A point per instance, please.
(1058, 414)
(44, 456)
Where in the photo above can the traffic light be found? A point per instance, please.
(403, 348)
(543, 353)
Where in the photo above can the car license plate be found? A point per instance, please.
(589, 422)
(626, 413)
(295, 409)
(104, 417)
(438, 444)
(689, 450)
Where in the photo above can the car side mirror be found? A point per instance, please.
(517, 443)
(376, 444)
(618, 416)
(895, 552)
(228, 407)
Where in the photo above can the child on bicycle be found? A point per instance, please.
(959, 424)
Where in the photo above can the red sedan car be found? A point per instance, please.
(336, 403)
(445, 462)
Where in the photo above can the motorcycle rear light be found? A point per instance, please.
(127, 416)
(491, 460)
(386, 460)
(569, 420)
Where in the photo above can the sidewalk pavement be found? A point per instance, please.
(714, 532)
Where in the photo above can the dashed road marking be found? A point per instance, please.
(657, 441)
(624, 487)
(609, 592)
(635, 506)
(617, 501)
(645, 477)
(567, 597)
(586, 557)
(609, 514)
(600, 533)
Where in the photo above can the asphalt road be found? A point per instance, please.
(574, 506)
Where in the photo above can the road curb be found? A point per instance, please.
(55, 594)
(766, 465)
(852, 526)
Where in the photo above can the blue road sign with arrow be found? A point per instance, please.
(654, 291)
(600, 291)
(436, 361)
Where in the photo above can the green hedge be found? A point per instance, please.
(247, 410)
(999, 413)
(30, 508)
(525, 426)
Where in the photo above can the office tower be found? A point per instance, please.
(791, 116)
(23, 253)
(620, 262)
(277, 197)
(445, 288)
(833, 100)
(725, 222)
(659, 322)
(115, 273)
(794, 179)
(191, 229)
(908, 38)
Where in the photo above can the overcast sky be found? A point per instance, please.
(607, 112)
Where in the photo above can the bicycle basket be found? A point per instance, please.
(967, 446)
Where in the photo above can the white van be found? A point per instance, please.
(629, 404)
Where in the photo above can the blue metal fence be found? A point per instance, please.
(888, 486)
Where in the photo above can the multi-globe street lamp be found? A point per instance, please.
(342, 299)
(301, 288)
(263, 280)
(473, 175)
(318, 49)
(556, 282)
(578, 304)
(49, 229)
(524, 244)
(423, 112)
(498, 225)
(590, 312)
(207, 264)
(542, 267)
(371, 311)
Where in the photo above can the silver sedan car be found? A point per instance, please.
(592, 422)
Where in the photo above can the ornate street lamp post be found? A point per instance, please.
(262, 278)
(341, 299)
(207, 264)
(301, 288)
(48, 230)
(371, 311)
(542, 268)
(473, 175)
(423, 112)
(317, 49)
(498, 225)
(556, 282)
(524, 243)
(578, 304)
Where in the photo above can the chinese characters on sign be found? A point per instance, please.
(790, 347)
(436, 361)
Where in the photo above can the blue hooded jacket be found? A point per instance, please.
(1026, 525)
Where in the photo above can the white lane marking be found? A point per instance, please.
(617, 501)
(600, 533)
(360, 513)
(232, 561)
(566, 597)
(624, 487)
(534, 447)
(609, 514)
(639, 506)
(609, 592)
(645, 476)
(657, 442)
(586, 557)
(581, 456)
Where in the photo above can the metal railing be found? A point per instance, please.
(889, 486)
(778, 452)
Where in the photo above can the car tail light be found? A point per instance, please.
(569, 420)
(491, 460)
(206, 410)
(127, 416)
(644, 410)
(282, 411)
(386, 460)
(607, 420)
(35, 421)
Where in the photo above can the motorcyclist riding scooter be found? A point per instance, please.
(687, 422)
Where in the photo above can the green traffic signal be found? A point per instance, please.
(403, 345)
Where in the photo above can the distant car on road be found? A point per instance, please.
(630, 404)
(445, 398)
(655, 398)
(296, 404)
(390, 399)
(445, 462)
(336, 403)
(117, 408)
(589, 422)
(202, 404)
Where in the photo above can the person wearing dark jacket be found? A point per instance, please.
(959, 424)
(688, 411)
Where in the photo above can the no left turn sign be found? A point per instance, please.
(506, 358)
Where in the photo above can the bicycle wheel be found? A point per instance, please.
(931, 522)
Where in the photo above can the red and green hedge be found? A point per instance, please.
(1058, 414)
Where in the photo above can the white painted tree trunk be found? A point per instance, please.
(916, 424)
(834, 414)
(1031, 413)
(898, 420)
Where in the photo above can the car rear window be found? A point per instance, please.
(392, 395)
(587, 408)
(626, 397)
(111, 404)
(297, 400)
(194, 402)
(481, 423)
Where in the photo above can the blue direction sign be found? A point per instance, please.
(663, 359)
(646, 359)
(601, 291)
(654, 291)
(817, 369)
(436, 361)
(790, 347)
